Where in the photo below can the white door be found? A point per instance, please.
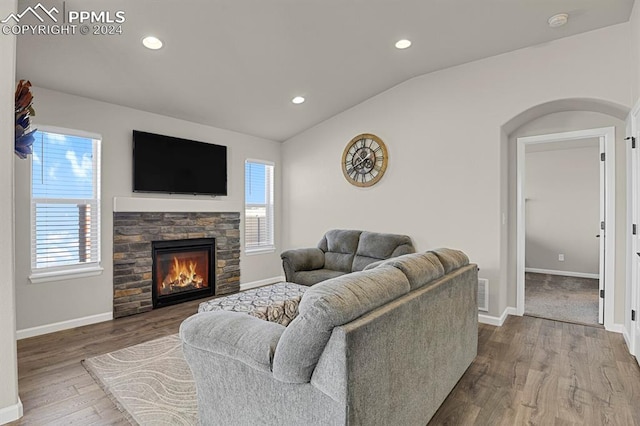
(602, 235)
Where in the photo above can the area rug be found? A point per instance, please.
(561, 298)
(150, 383)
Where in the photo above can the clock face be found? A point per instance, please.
(364, 160)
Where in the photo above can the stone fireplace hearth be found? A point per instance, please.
(133, 234)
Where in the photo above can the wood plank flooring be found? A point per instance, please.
(534, 371)
(531, 371)
(54, 387)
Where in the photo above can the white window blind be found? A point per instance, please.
(258, 214)
(65, 203)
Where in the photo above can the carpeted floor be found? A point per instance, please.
(561, 298)
(150, 383)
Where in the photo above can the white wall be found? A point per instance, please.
(562, 193)
(634, 22)
(566, 122)
(445, 184)
(51, 302)
(10, 408)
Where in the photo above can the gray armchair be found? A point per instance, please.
(341, 252)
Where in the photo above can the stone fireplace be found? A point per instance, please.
(134, 236)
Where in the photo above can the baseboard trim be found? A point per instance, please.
(11, 413)
(627, 340)
(63, 325)
(562, 273)
(497, 321)
(260, 283)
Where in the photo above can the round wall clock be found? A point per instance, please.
(364, 160)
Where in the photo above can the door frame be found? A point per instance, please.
(607, 137)
(631, 331)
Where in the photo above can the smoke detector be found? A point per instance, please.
(558, 20)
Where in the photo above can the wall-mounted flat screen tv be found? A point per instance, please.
(178, 166)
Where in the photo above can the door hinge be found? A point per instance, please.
(602, 294)
(602, 156)
(602, 225)
(633, 141)
(634, 229)
(633, 315)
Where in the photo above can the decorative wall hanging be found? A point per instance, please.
(24, 111)
(364, 160)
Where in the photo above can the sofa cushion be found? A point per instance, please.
(338, 261)
(233, 335)
(419, 268)
(327, 305)
(451, 259)
(340, 247)
(374, 246)
(313, 277)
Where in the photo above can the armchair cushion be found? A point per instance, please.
(236, 335)
(325, 306)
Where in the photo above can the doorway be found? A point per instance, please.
(590, 285)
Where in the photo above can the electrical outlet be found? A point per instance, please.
(561, 257)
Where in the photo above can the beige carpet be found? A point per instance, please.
(150, 383)
(561, 298)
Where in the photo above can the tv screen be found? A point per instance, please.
(178, 166)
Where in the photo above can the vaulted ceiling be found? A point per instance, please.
(236, 64)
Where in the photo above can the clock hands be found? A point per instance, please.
(363, 159)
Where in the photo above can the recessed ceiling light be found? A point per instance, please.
(297, 100)
(403, 44)
(558, 20)
(152, 42)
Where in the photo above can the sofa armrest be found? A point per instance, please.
(304, 259)
(235, 335)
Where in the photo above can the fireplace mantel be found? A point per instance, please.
(174, 203)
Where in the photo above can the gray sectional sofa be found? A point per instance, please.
(383, 346)
(340, 252)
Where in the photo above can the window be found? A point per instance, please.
(65, 205)
(258, 206)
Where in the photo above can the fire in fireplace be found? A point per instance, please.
(182, 270)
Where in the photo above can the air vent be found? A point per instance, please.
(483, 294)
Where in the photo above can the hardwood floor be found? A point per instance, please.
(534, 371)
(54, 387)
(529, 371)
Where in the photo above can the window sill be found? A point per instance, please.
(43, 277)
(262, 250)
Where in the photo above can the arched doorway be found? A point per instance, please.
(563, 116)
